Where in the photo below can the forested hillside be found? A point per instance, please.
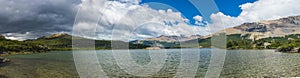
(57, 42)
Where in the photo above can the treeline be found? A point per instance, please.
(7, 46)
(237, 41)
(64, 42)
(289, 43)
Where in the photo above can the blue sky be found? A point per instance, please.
(228, 7)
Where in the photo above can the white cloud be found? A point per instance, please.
(146, 22)
(269, 9)
(126, 21)
(129, 1)
(255, 12)
(17, 36)
(198, 20)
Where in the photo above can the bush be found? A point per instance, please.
(286, 48)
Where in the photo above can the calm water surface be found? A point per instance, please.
(238, 63)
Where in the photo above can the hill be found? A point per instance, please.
(64, 42)
(264, 29)
(182, 38)
(58, 42)
(167, 41)
(13, 46)
(282, 34)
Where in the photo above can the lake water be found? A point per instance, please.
(238, 63)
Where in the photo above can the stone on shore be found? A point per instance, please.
(4, 60)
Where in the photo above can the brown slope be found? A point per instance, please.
(271, 28)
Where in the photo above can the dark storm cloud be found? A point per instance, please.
(39, 17)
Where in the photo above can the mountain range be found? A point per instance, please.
(182, 38)
(58, 42)
(254, 35)
(282, 34)
(264, 29)
(256, 30)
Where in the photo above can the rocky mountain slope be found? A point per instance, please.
(265, 29)
(164, 38)
(256, 30)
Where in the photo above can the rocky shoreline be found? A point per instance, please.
(288, 50)
(4, 61)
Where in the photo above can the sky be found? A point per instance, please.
(134, 19)
(228, 7)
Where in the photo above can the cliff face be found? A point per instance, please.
(272, 28)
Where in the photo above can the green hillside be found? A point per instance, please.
(58, 42)
(64, 42)
(9, 46)
(289, 43)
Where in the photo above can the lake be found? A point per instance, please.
(238, 63)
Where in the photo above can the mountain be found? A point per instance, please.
(245, 32)
(60, 35)
(14, 46)
(282, 34)
(166, 41)
(264, 29)
(55, 42)
(164, 38)
(58, 42)
(63, 41)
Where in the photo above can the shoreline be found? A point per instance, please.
(4, 59)
(4, 54)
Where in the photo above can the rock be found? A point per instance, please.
(4, 60)
(288, 50)
(285, 49)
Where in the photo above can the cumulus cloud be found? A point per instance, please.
(198, 20)
(128, 1)
(123, 21)
(255, 12)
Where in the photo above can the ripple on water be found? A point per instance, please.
(238, 63)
